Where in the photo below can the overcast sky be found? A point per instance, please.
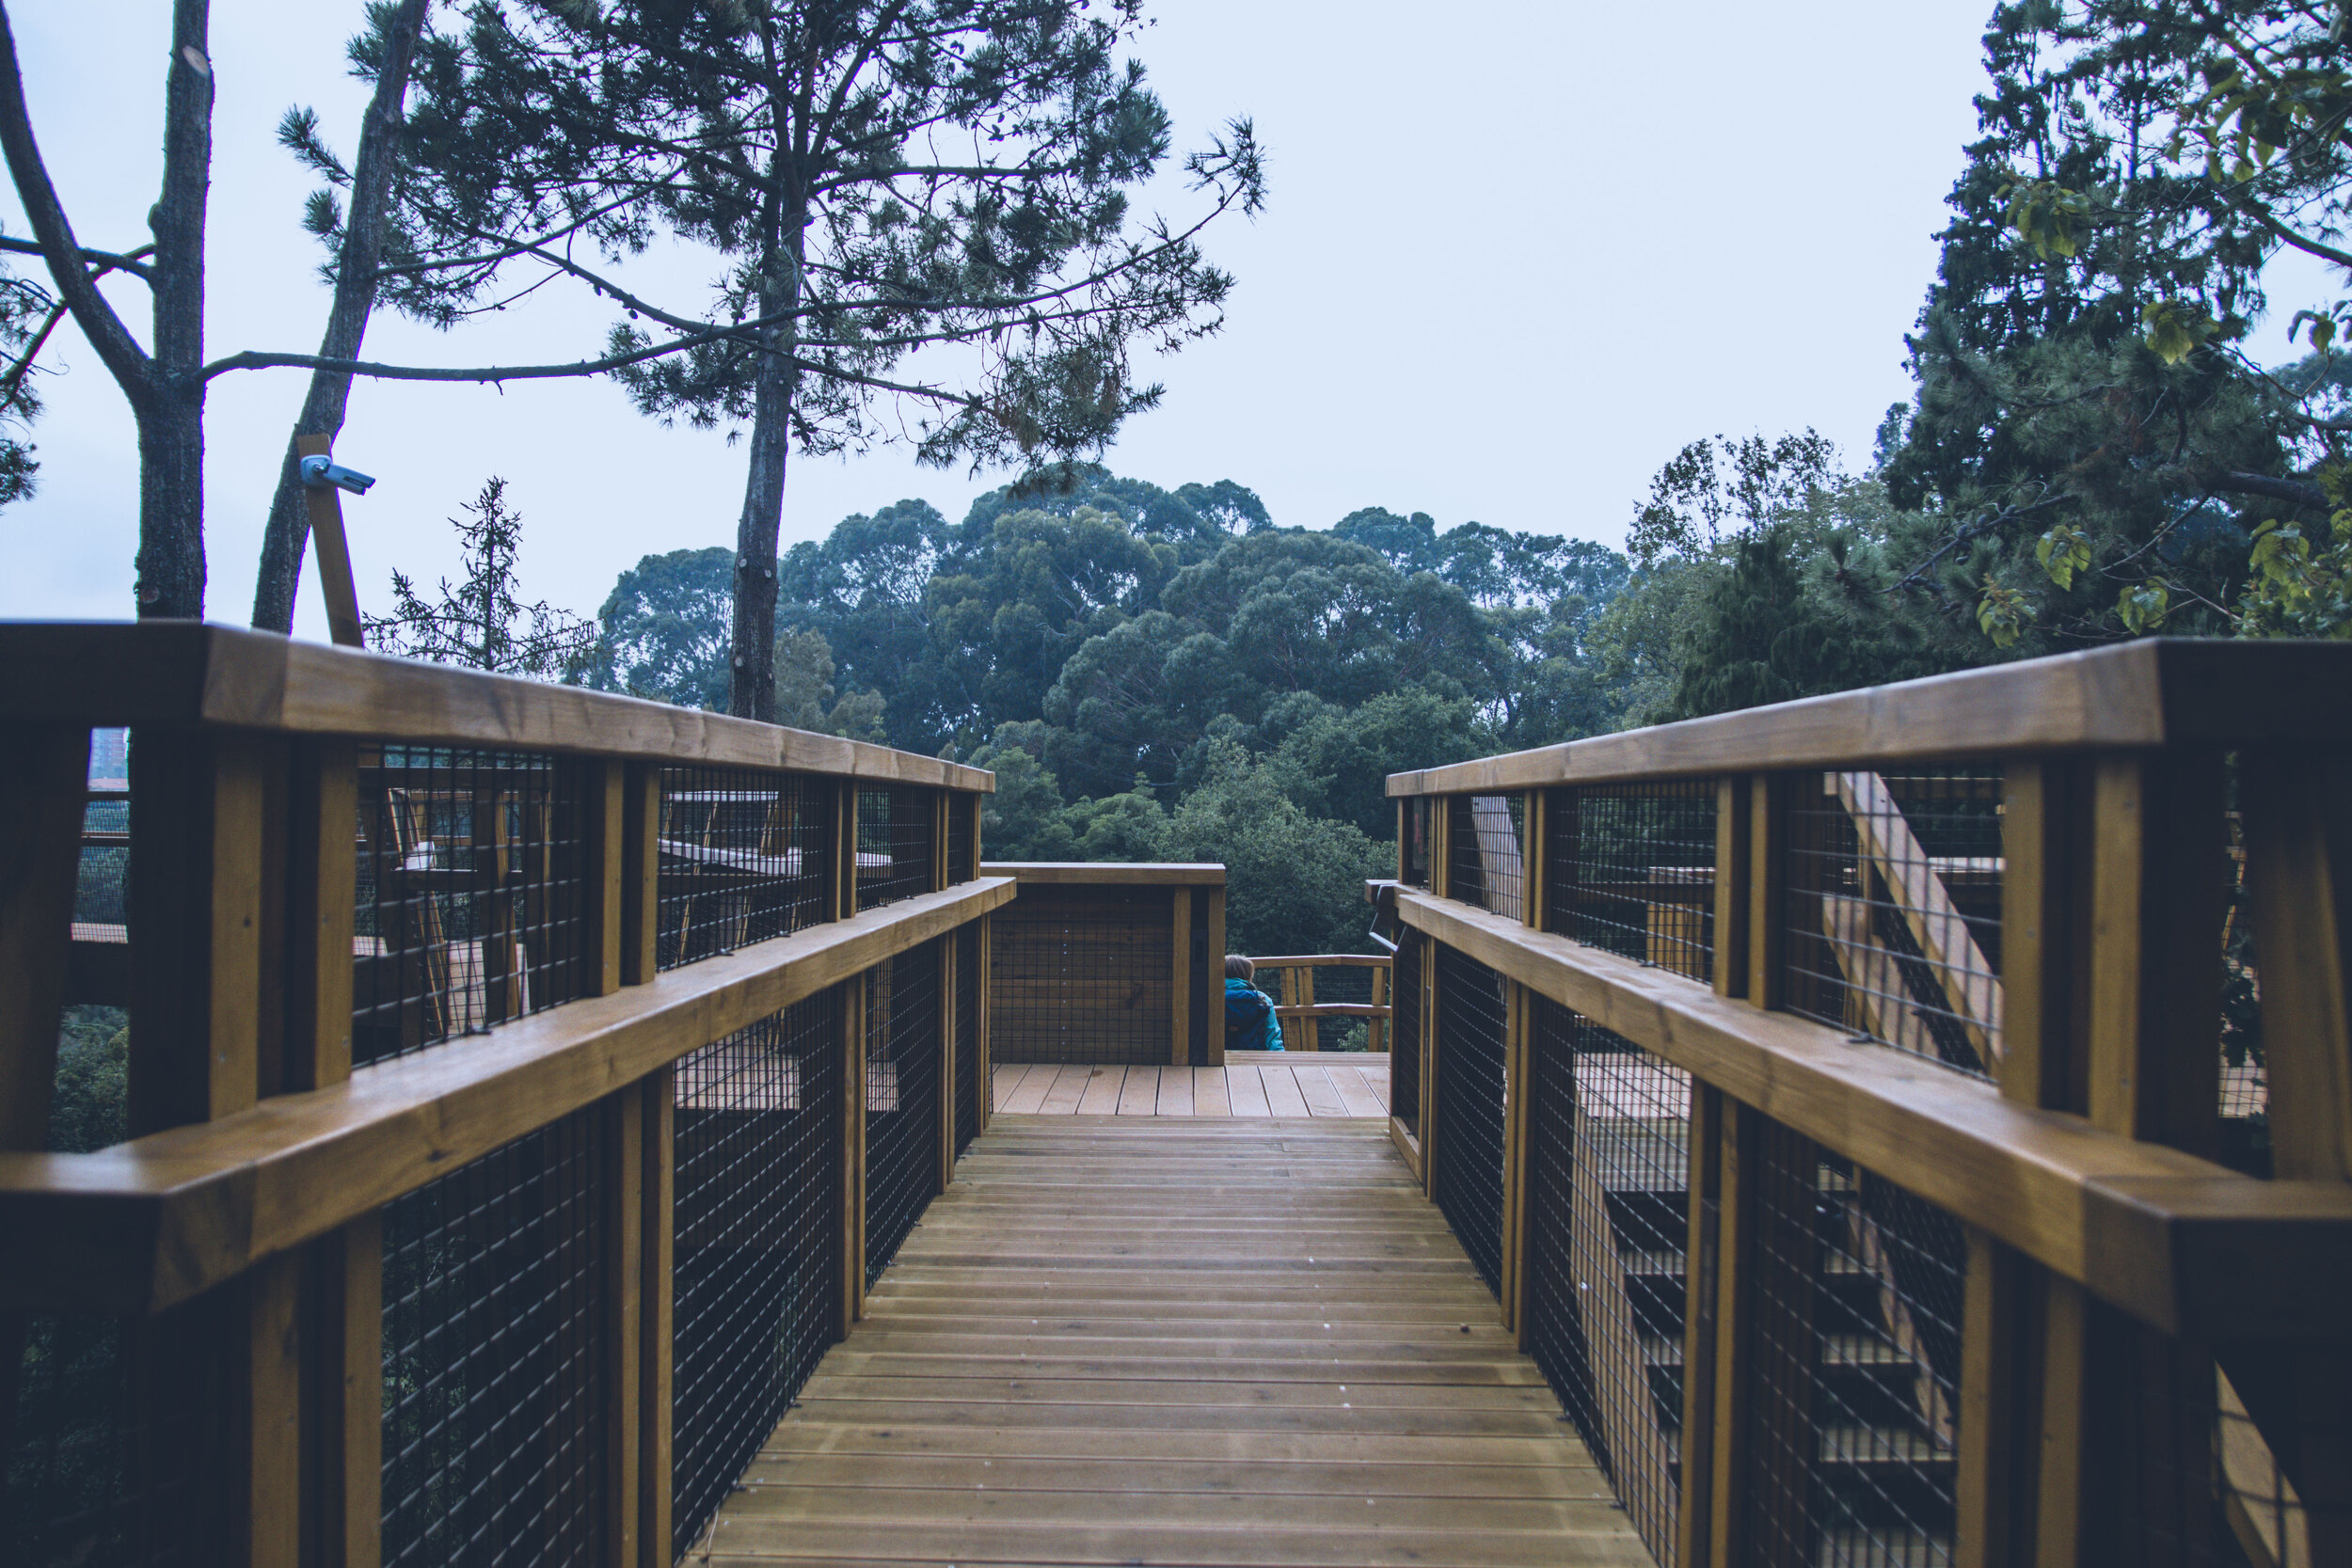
(1516, 255)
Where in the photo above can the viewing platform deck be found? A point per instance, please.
(1250, 1084)
(1121, 1340)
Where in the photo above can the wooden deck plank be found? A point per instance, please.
(1246, 1091)
(1210, 1097)
(1068, 1086)
(1175, 1091)
(1139, 1093)
(1101, 1092)
(1354, 1092)
(1166, 1338)
(1026, 1097)
(1282, 1090)
(1321, 1094)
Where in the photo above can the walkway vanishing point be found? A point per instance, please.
(1173, 1340)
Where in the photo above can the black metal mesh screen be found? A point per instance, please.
(495, 1329)
(105, 1426)
(1894, 908)
(1404, 1045)
(967, 942)
(1416, 830)
(1083, 975)
(473, 901)
(1469, 1091)
(1485, 851)
(1631, 868)
(746, 855)
(896, 831)
(962, 819)
(1853, 1368)
(99, 888)
(901, 1099)
(1608, 1195)
(759, 1243)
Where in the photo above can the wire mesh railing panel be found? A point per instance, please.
(1486, 851)
(895, 832)
(1608, 1180)
(1631, 868)
(1853, 1371)
(758, 1243)
(746, 855)
(1083, 975)
(99, 890)
(473, 903)
(495, 1358)
(1405, 1005)
(961, 822)
(903, 1040)
(967, 1005)
(1892, 908)
(1472, 1023)
(1415, 847)
(108, 1428)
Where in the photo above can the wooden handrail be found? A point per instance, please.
(1109, 873)
(2185, 1245)
(141, 1225)
(1327, 960)
(2154, 692)
(186, 675)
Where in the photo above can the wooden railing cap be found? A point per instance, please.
(2156, 691)
(1111, 873)
(198, 675)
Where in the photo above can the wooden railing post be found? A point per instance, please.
(623, 1297)
(984, 1065)
(641, 873)
(2299, 879)
(44, 774)
(1217, 971)
(948, 1047)
(852, 1008)
(1768, 874)
(657, 1256)
(1517, 1075)
(1180, 993)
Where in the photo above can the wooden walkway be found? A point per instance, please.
(1251, 1083)
(1146, 1340)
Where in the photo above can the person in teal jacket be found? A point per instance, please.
(1250, 1021)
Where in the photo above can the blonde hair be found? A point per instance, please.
(1238, 967)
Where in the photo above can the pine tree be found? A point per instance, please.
(482, 622)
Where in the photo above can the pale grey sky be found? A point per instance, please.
(1516, 255)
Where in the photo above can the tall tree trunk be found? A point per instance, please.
(171, 420)
(752, 686)
(355, 286)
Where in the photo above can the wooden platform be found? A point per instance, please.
(1251, 1083)
(1131, 1340)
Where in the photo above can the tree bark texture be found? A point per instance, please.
(172, 422)
(752, 684)
(356, 288)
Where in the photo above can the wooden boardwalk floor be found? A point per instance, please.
(1149, 1340)
(1252, 1084)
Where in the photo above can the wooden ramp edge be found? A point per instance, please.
(1130, 1340)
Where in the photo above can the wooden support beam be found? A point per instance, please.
(604, 868)
(1739, 1133)
(322, 889)
(1768, 873)
(1180, 980)
(43, 771)
(641, 873)
(1517, 1042)
(1216, 970)
(347, 1396)
(985, 1065)
(196, 891)
(1704, 1299)
(272, 1460)
(622, 1294)
(2159, 891)
(852, 1008)
(330, 549)
(1961, 970)
(657, 1257)
(948, 1047)
(1733, 866)
(1992, 1448)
